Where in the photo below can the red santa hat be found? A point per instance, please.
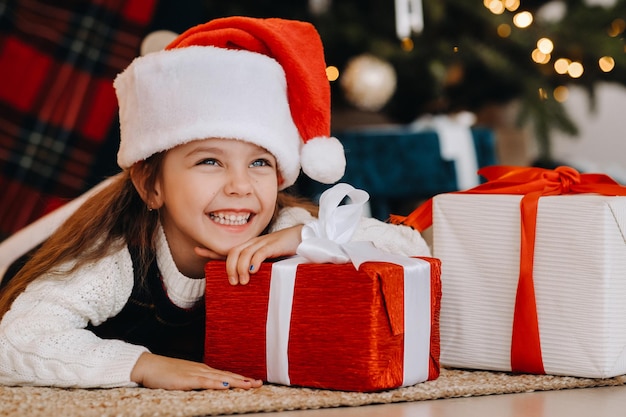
(258, 80)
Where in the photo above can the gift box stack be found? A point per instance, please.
(533, 272)
(340, 315)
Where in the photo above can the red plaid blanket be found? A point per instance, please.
(58, 111)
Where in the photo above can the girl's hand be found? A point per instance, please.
(246, 258)
(155, 371)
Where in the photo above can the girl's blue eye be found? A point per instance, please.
(261, 163)
(208, 161)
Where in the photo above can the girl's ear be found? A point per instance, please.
(149, 191)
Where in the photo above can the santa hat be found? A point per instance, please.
(258, 80)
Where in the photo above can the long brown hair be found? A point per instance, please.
(113, 217)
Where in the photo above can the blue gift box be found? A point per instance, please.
(399, 163)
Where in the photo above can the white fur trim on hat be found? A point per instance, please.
(172, 97)
(323, 159)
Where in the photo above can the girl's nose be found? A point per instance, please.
(238, 183)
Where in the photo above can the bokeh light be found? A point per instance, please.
(575, 70)
(539, 57)
(561, 65)
(561, 94)
(545, 45)
(495, 6)
(407, 44)
(332, 73)
(511, 5)
(504, 30)
(523, 19)
(617, 27)
(606, 63)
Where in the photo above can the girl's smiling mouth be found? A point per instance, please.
(230, 219)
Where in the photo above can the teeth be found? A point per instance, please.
(230, 219)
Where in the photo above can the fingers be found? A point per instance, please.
(223, 383)
(246, 259)
(155, 371)
(210, 378)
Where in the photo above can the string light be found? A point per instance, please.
(504, 30)
(545, 45)
(494, 6)
(617, 27)
(511, 5)
(606, 63)
(575, 70)
(523, 19)
(499, 6)
(561, 65)
(332, 73)
(572, 68)
(561, 93)
(407, 44)
(539, 57)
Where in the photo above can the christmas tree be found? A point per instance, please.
(470, 53)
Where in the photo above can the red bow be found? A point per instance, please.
(533, 183)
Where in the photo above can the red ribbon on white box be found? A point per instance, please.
(327, 240)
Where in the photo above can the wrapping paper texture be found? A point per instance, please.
(579, 278)
(346, 326)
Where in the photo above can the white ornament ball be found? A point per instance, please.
(157, 41)
(368, 82)
(552, 12)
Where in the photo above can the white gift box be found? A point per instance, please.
(579, 278)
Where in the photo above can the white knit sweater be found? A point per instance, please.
(43, 340)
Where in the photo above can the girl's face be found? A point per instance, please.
(214, 193)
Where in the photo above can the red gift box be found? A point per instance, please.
(346, 331)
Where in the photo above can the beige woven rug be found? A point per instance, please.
(136, 402)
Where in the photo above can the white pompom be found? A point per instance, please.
(323, 159)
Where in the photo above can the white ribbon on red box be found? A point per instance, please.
(327, 240)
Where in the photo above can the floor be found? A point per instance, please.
(590, 402)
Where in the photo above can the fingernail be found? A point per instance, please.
(251, 267)
(224, 383)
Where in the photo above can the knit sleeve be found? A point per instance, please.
(388, 237)
(392, 238)
(291, 216)
(43, 337)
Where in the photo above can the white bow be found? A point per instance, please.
(324, 239)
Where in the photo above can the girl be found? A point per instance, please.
(213, 129)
